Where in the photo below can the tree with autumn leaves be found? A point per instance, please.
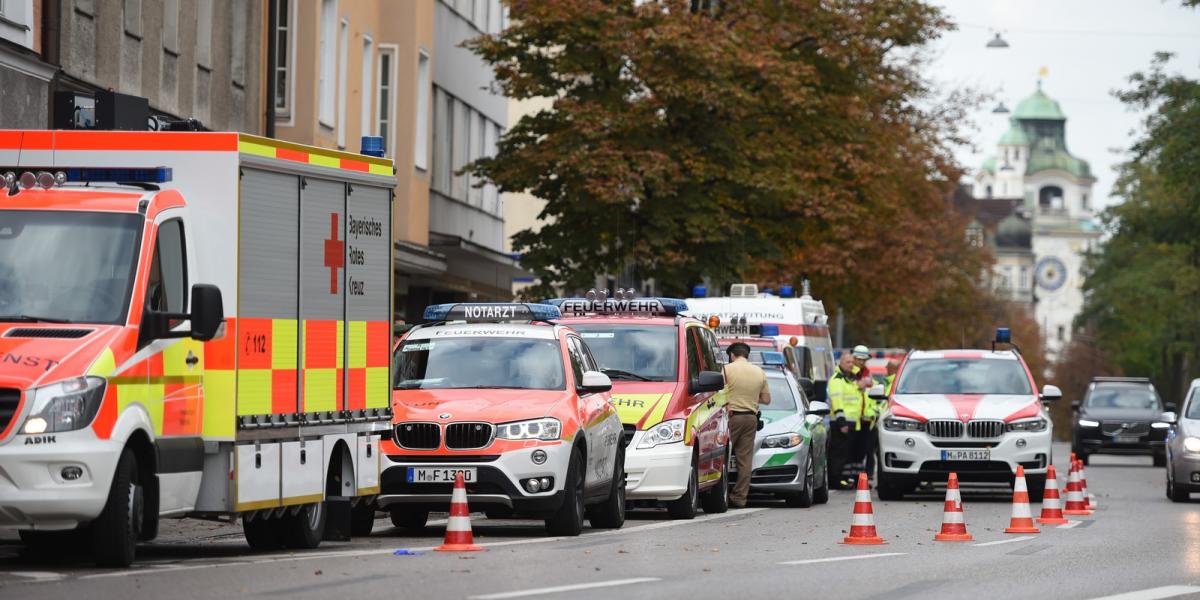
(758, 140)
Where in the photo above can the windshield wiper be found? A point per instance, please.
(32, 319)
(618, 373)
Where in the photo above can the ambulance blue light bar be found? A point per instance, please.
(119, 175)
(768, 330)
(772, 357)
(659, 307)
(1003, 335)
(491, 312)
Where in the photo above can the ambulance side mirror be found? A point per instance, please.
(877, 392)
(594, 382)
(208, 311)
(1051, 393)
(707, 381)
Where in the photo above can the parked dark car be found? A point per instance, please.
(1120, 415)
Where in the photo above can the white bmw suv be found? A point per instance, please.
(973, 412)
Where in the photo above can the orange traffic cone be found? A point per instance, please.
(458, 527)
(862, 528)
(1022, 519)
(1051, 502)
(1075, 506)
(954, 529)
(1087, 498)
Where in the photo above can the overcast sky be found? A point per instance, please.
(1089, 47)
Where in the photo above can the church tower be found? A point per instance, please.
(1034, 168)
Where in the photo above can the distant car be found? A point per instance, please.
(1120, 415)
(977, 413)
(1183, 447)
(790, 450)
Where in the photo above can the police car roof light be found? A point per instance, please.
(768, 330)
(663, 307)
(771, 357)
(491, 312)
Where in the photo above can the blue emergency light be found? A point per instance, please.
(491, 312)
(1003, 335)
(768, 330)
(772, 357)
(786, 291)
(118, 175)
(663, 307)
(699, 291)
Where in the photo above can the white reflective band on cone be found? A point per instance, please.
(458, 524)
(953, 517)
(862, 519)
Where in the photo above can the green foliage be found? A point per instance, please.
(739, 141)
(1143, 287)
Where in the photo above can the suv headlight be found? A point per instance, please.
(783, 440)
(667, 432)
(1038, 424)
(902, 424)
(1192, 445)
(533, 429)
(72, 405)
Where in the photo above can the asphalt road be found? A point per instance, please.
(1137, 541)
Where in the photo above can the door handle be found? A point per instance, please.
(191, 359)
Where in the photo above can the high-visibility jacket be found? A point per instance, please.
(846, 400)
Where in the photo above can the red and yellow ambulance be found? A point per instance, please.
(670, 393)
(191, 324)
(517, 406)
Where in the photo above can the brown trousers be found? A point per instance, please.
(742, 428)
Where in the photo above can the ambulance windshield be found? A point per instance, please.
(632, 352)
(479, 362)
(71, 267)
(963, 376)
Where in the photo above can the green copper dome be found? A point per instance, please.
(1046, 156)
(1039, 106)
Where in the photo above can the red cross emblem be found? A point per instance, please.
(335, 255)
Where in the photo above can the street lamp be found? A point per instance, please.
(997, 42)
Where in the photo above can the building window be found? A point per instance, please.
(365, 87)
(1084, 202)
(283, 58)
(383, 124)
(421, 143)
(443, 133)
(328, 53)
(989, 192)
(1062, 333)
(495, 10)
(343, 51)
(460, 135)
(133, 17)
(1050, 198)
(1024, 278)
(170, 34)
(16, 25)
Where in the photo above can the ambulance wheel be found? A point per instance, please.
(821, 494)
(305, 529)
(610, 514)
(115, 532)
(362, 519)
(804, 499)
(263, 534)
(1037, 487)
(685, 506)
(409, 520)
(568, 519)
(716, 499)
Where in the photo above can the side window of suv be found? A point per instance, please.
(575, 352)
(709, 350)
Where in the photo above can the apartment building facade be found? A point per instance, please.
(348, 68)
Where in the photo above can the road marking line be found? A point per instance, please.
(39, 576)
(1169, 591)
(837, 558)
(998, 542)
(276, 558)
(564, 588)
(1070, 525)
